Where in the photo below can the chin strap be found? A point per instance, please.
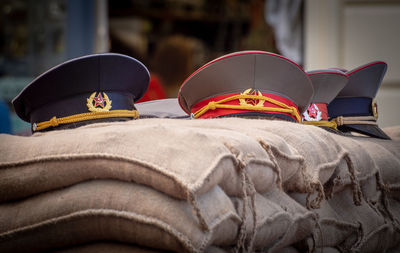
(220, 105)
(355, 120)
(322, 123)
(340, 121)
(53, 122)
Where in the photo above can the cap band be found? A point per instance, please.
(317, 115)
(53, 122)
(241, 102)
(354, 106)
(83, 103)
(353, 111)
(316, 112)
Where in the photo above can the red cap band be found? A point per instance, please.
(316, 112)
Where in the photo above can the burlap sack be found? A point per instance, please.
(394, 208)
(304, 157)
(371, 156)
(321, 161)
(302, 223)
(327, 250)
(272, 222)
(106, 247)
(264, 222)
(179, 160)
(150, 152)
(371, 226)
(331, 229)
(275, 146)
(386, 155)
(350, 227)
(116, 211)
(378, 178)
(293, 145)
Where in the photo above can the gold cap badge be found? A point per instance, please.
(252, 101)
(98, 103)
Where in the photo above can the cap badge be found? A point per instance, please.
(252, 101)
(98, 103)
(374, 107)
(312, 113)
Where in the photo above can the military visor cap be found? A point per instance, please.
(354, 109)
(247, 83)
(327, 84)
(89, 88)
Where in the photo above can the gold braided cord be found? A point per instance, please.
(220, 104)
(86, 116)
(355, 120)
(322, 123)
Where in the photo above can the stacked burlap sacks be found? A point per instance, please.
(361, 212)
(200, 185)
(151, 184)
(357, 193)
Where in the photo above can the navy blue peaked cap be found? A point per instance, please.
(356, 99)
(95, 86)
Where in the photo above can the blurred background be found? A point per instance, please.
(175, 37)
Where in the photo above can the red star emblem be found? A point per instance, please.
(99, 100)
(251, 100)
(312, 112)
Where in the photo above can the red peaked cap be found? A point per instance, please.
(327, 84)
(272, 75)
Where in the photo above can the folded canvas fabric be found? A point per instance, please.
(119, 211)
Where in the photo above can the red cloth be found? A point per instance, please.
(155, 90)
